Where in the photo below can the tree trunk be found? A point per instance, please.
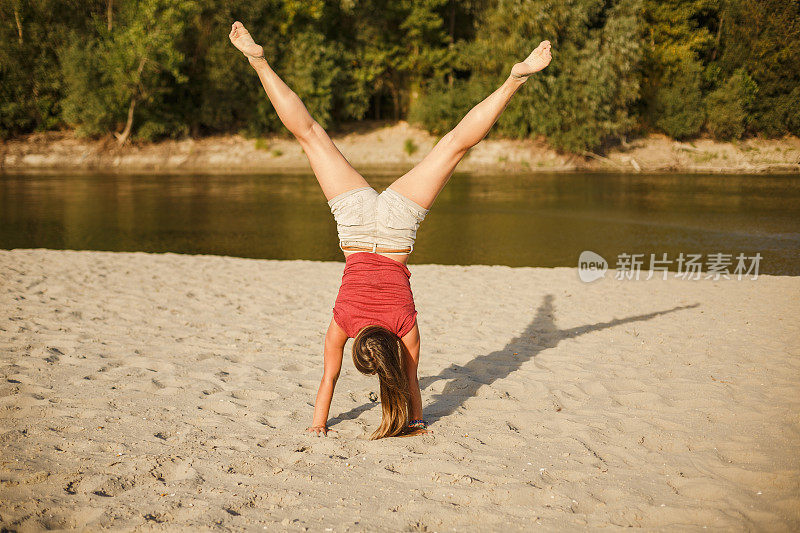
(395, 100)
(719, 35)
(452, 21)
(19, 25)
(452, 36)
(123, 137)
(110, 13)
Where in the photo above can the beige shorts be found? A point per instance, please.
(366, 218)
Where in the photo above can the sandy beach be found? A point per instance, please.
(171, 392)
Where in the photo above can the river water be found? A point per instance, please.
(517, 220)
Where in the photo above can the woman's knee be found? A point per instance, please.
(455, 142)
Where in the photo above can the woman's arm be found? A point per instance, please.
(411, 341)
(335, 339)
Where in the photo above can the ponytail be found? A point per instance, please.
(376, 350)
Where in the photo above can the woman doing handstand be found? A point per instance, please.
(375, 305)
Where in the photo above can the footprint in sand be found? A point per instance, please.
(213, 389)
(157, 517)
(254, 394)
(114, 486)
(54, 355)
(173, 468)
(264, 421)
(100, 484)
(295, 367)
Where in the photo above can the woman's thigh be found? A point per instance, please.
(334, 173)
(423, 183)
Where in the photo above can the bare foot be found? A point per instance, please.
(242, 40)
(535, 62)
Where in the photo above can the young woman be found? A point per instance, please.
(376, 233)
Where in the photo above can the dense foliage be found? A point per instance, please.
(157, 68)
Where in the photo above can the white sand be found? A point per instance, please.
(171, 392)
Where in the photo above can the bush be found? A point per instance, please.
(584, 98)
(90, 103)
(778, 116)
(729, 105)
(441, 106)
(678, 102)
(410, 147)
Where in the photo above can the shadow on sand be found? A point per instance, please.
(464, 381)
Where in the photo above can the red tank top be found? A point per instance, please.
(375, 290)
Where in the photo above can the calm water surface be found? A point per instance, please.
(533, 220)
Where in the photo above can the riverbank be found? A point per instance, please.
(171, 392)
(391, 148)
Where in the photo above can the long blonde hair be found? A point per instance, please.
(376, 350)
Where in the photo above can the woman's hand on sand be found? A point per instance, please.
(320, 429)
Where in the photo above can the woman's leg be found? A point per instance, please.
(423, 183)
(334, 173)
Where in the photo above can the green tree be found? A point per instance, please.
(581, 100)
(397, 45)
(223, 94)
(729, 106)
(679, 37)
(154, 68)
(296, 41)
(676, 103)
(30, 79)
(132, 64)
(762, 37)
